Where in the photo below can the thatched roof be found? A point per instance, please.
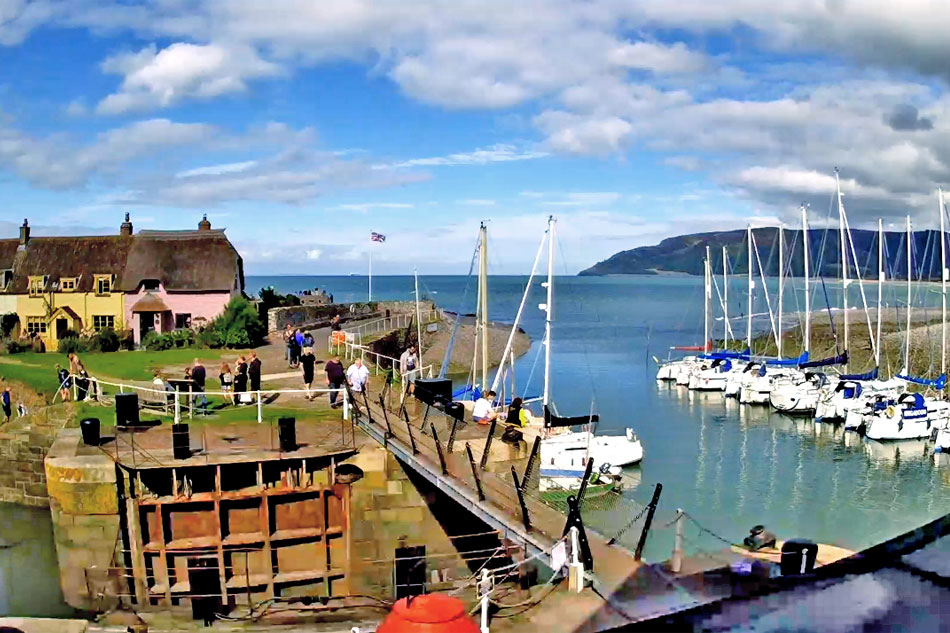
(150, 303)
(183, 261)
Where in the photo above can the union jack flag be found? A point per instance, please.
(377, 237)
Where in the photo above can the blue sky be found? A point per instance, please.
(302, 126)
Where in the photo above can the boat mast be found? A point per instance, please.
(483, 299)
(514, 327)
(548, 308)
(807, 297)
(781, 283)
(748, 335)
(880, 287)
(844, 261)
(725, 300)
(707, 296)
(907, 329)
(943, 286)
(415, 274)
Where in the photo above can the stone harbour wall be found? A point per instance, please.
(23, 477)
(84, 506)
(312, 316)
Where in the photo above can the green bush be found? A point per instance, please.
(12, 346)
(208, 337)
(71, 345)
(240, 317)
(126, 339)
(155, 342)
(105, 340)
(184, 337)
(8, 323)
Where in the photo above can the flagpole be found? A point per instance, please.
(370, 273)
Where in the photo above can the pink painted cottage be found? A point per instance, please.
(176, 279)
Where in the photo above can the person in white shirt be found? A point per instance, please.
(357, 375)
(483, 413)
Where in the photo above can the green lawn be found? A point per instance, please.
(39, 370)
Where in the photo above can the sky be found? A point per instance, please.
(301, 126)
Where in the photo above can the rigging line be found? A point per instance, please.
(765, 288)
(458, 316)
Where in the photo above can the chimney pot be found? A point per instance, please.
(125, 228)
(204, 225)
(24, 233)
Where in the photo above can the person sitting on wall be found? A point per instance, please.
(484, 412)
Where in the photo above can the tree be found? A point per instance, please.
(240, 325)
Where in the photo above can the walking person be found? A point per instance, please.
(295, 340)
(358, 376)
(288, 336)
(198, 376)
(227, 383)
(307, 363)
(308, 339)
(80, 376)
(335, 377)
(409, 366)
(65, 382)
(254, 373)
(240, 380)
(5, 403)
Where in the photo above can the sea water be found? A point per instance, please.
(729, 467)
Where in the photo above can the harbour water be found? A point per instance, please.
(730, 467)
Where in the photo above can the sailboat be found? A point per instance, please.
(565, 451)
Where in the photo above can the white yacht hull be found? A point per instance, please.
(565, 455)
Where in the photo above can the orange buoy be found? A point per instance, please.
(430, 613)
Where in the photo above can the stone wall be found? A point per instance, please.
(391, 510)
(84, 505)
(311, 316)
(23, 478)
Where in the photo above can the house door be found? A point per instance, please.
(146, 323)
(62, 326)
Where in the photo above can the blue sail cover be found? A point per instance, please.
(939, 383)
(840, 359)
(871, 375)
(789, 362)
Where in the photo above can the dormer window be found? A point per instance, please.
(6, 277)
(37, 285)
(150, 284)
(103, 284)
(67, 284)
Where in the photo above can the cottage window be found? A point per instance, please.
(37, 285)
(6, 277)
(67, 284)
(36, 325)
(182, 320)
(103, 284)
(100, 321)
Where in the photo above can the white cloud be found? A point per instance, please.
(314, 254)
(217, 170)
(477, 202)
(363, 207)
(159, 78)
(499, 153)
(658, 58)
(581, 134)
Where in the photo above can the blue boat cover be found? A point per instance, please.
(725, 367)
(939, 383)
(871, 375)
(915, 400)
(789, 362)
(840, 359)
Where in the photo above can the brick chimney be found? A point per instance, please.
(204, 225)
(25, 233)
(125, 228)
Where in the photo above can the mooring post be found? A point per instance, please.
(676, 560)
(524, 508)
(438, 447)
(177, 404)
(412, 440)
(491, 434)
(484, 590)
(651, 510)
(478, 482)
(260, 407)
(575, 570)
(531, 459)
